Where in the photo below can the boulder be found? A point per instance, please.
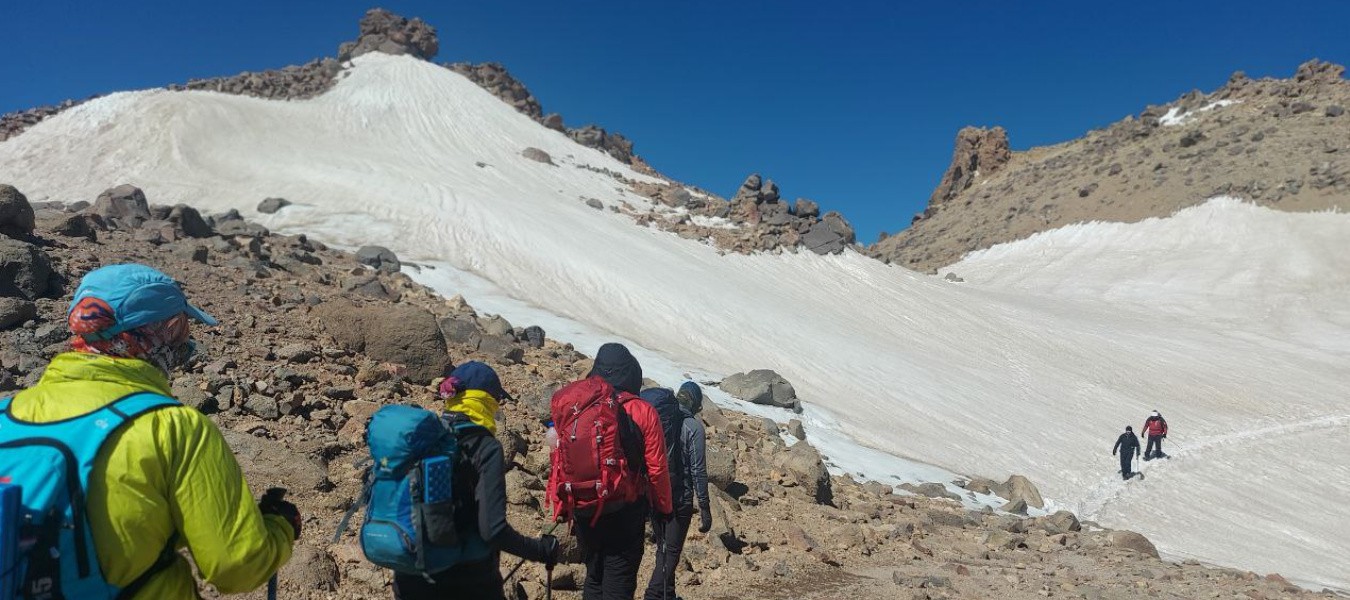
(379, 258)
(1021, 488)
(721, 464)
(77, 226)
(822, 240)
(930, 490)
(762, 386)
(461, 331)
(537, 155)
(384, 31)
(393, 333)
(534, 336)
(1003, 540)
(839, 226)
(15, 311)
(16, 214)
(262, 406)
(980, 485)
(806, 209)
(501, 349)
(271, 205)
(24, 270)
(496, 325)
(803, 462)
(1017, 507)
(1062, 521)
(1335, 111)
(1132, 541)
(795, 428)
(594, 203)
(768, 193)
(190, 222)
(122, 207)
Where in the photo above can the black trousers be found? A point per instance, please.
(612, 550)
(669, 546)
(1125, 459)
(1154, 449)
(471, 581)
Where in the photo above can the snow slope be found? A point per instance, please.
(1033, 374)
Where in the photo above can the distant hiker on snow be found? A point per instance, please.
(129, 473)
(472, 393)
(1127, 445)
(688, 480)
(609, 467)
(1155, 429)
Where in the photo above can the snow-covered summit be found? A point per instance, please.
(985, 378)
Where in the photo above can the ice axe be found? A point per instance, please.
(273, 497)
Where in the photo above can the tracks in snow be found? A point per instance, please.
(1112, 488)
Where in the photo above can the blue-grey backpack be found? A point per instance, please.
(46, 545)
(412, 524)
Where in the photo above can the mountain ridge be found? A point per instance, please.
(1282, 143)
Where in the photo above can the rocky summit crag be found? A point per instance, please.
(1281, 143)
(313, 340)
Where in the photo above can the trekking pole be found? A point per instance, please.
(548, 582)
(661, 555)
(271, 497)
(520, 564)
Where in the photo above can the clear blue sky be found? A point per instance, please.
(852, 104)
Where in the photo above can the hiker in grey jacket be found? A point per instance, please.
(695, 455)
(685, 488)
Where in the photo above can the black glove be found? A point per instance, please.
(274, 503)
(551, 549)
(705, 518)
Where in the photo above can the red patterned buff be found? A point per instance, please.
(156, 342)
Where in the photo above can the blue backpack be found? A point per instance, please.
(412, 522)
(46, 546)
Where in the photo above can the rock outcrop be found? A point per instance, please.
(384, 31)
(1277, 142)
(499, 82)
(979, 153)
(762, 220)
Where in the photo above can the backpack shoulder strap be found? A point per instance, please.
(4, 405)
(134, 405)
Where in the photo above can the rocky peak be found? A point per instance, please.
(979, 152)
(384, 31)
(1319, 71)
(594, 136)
(494, 78)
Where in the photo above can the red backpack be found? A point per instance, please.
(590, 465)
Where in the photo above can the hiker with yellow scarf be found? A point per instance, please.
(472, 394)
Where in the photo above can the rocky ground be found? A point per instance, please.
(1282, 143)
(313, 341)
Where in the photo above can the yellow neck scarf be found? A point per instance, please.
(478, 405)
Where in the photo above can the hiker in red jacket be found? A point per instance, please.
(1155, 429)
(609, 470)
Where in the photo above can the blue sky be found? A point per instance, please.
(852, 104)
